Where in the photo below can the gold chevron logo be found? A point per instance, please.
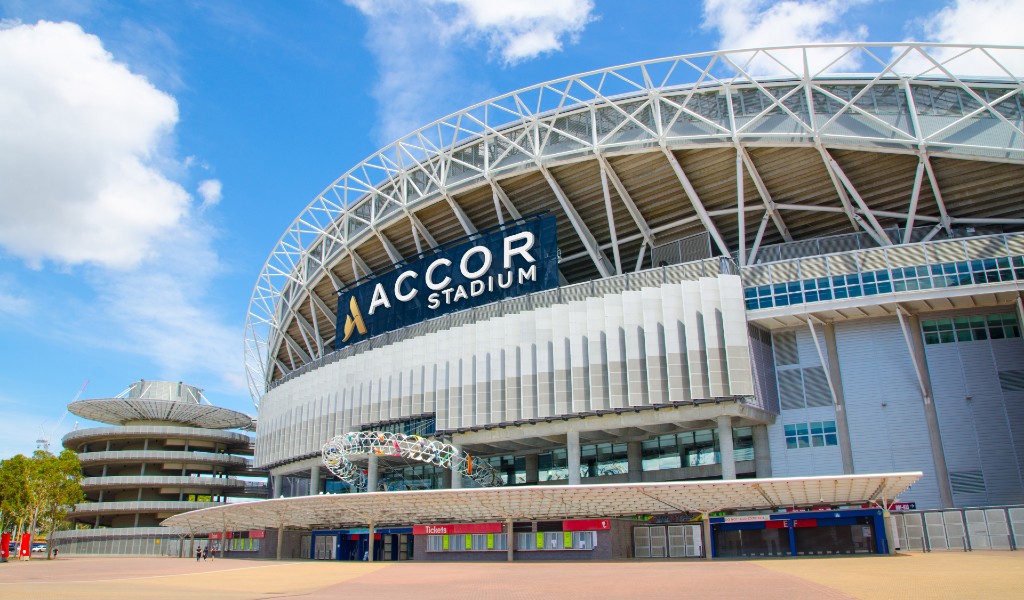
(353, 320)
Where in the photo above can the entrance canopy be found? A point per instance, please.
(540, 503)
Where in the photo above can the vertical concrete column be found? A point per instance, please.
(446, 479)
(456, 475)
(762, 452)
(705, 521)
(532, 469)
(725, 447)
(887, 526)
(930, 415)
(314, 479)
(510, 538)
(280, 540)
(635, 461)
(278, 484)
(369, 556)
(371, 473)
(572, 449)
(835, 375)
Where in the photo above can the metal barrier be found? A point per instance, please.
(962, 529)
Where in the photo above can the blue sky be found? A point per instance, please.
(152, 153)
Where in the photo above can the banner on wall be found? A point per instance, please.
(520, 257)
(5, 545)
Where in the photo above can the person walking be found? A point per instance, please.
(199, 553)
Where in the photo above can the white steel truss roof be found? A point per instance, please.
(544, 502)
(468, 161)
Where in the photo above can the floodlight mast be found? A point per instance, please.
(43, 443)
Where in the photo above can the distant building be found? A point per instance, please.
(168, 451)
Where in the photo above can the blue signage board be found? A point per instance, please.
(518, 258)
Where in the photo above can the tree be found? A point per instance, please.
(58, 482)
(14, 494)
(38, 491)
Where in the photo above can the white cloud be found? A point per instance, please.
(761, 23)
(989, 22)
(210, 190)
(416, 45)
(520, 30)
(87, 184)
(80, 143)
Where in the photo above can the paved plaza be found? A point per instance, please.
(937, 575)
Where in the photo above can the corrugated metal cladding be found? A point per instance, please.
(677, 342)
(884, 407)
(979, 397)
(980, 404)
(805, 398)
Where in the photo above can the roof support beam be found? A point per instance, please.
(393, 253)
(358, 265)
(609, 214)
(627, 200)
(422, 229)
(915, 194)
(320, 304)
(338, 283)
(741, 226)
(844, 199)
(589, 242)
(304, 329)
(860, 202)
(943, 214)
(280, 365)
(501, 197)
(294, 346)
(757, 238)
(460, 214)
(766, 197)
(695, 201)
(320, 343)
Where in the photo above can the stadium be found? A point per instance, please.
(796, 267)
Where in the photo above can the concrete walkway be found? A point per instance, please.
(937, 575)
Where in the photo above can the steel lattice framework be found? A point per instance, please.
(785, 97)
(337, 451)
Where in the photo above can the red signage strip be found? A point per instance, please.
(587, 525)
(453, 528)
(257, 533)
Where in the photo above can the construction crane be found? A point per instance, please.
(43, 443)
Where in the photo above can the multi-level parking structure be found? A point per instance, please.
(168, 451)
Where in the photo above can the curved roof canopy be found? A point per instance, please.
(121, 411)
(544, 502)
(749, 147)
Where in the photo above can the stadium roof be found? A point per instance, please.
(750, 148)
(543, 502)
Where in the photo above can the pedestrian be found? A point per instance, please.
(204, 553)
(199, 553)
(55, 551)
